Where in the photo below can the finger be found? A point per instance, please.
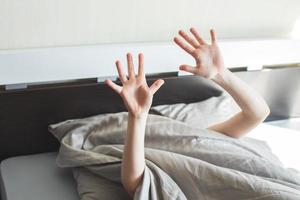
(122, 76)
(188, 68)
(197, 36)
(183, 45)
(141, 65)
(156, 85)
(113, 86)
(130, 66)
(190, 40)
(213, 36)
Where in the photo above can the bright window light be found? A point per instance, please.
(296, 30)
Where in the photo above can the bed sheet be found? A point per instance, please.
(284, 143)
(36, 177)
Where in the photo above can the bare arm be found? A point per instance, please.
(253, 106)
(209, 64)
(137, 97)
(133, 163)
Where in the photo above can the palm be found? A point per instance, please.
(209, 61)
(136, 94)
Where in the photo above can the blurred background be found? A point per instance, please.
(45, 23)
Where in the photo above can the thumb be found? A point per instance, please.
(156, 85)
(113, 86)
(188, 68)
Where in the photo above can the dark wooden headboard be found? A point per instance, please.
(25, 114)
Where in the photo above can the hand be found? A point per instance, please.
(135, 92)
(209, 61)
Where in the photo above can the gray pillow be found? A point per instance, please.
(201, 114)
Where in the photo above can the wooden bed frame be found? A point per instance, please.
(26, 113)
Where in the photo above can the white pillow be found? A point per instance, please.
(201, 114)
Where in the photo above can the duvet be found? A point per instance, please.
(182, 162)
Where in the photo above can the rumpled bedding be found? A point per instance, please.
(182, 162)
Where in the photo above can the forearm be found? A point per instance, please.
(133, 164)
(250, 102)
(254, 109)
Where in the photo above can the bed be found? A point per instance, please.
(28, 169)
(38, 177)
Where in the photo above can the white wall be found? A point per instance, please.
(61, 63)
(45, 23)
(41, 23)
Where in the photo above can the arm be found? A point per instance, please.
(133, 163)
(253, 106)
(209, 64)
(137, 97)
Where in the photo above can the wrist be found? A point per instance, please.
(137, 124)
(138, 116)
(222, 77)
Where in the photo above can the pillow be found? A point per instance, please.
(201, 114)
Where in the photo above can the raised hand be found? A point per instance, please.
(209, 61)
(135, 92)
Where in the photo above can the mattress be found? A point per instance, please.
(292, 123)
(36, 177)
(284, 142)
